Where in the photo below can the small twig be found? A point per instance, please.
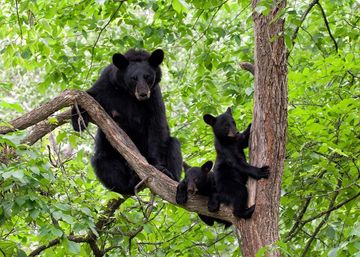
(332, 208)
(298, 219)
(98, 37)
(81, 120)
(324, 220)
(137, 188)
(18, 19)
(303, 17)
(50, 158)
(327, 25)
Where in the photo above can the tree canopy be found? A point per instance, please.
(50, 200)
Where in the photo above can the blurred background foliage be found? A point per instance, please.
(49, 192)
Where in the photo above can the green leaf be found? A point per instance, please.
(73, 247)
(12, 106)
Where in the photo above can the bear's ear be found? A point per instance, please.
(120, 61)
(186, 166)
(156, 57)
(206, 167)
(228, 111)
(209, 119)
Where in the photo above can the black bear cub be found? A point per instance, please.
(128, 90)
(198, 180)
(231, 170)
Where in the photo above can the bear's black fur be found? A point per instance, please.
(199, 180)
(231, 170)
(129, 92)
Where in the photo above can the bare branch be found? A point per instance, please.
(18, 19)
(338, 206)
(98, 37)
(298, 219)
(327, 25)
(38, 250)
(324, 220)
(303, 17)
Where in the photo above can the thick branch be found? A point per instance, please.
(158, 183)
(45, 127)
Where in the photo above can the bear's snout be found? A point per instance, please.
(192, 188)
(142, 93)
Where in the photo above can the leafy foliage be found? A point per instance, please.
(49, 192)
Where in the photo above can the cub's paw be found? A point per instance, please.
(245, 214)
(265, 171)
(181, 197)
(213, 206)
(248, 212)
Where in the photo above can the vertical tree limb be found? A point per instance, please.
(269, 128)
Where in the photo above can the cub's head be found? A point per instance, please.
(224, 126)
(139, 71)
(197, 177)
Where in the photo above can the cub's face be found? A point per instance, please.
(197, 177)
(140, 75)
(223, 125)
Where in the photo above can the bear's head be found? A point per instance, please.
(224, 126)
(139, 71)
(197, 177)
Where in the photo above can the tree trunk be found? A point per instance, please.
(269, 128)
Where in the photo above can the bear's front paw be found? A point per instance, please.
(265, 172)
(244, 213)
(181, 197)
(213, 206)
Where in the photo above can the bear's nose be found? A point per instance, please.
(143, 95)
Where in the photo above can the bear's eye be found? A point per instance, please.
(134, 78)
(147, 77)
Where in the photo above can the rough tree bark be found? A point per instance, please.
(269, 128)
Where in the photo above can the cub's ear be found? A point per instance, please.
(228, 111)
(206, 167)
(156, 57)
(209, 119)
(120, 61)
(186, 166)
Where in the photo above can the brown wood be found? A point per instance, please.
(269, 128)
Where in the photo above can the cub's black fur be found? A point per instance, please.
(129, 92)
(199, 180)
(231, 170)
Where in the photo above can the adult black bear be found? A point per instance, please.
(231, 170)
(201, 181)
(129, 92)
